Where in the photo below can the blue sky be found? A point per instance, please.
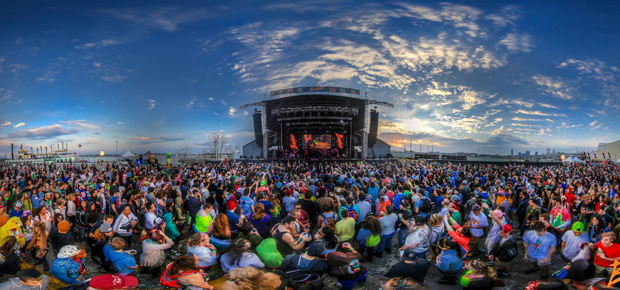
(483, 75)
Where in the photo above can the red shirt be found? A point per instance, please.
(610, 252)
(570, 198)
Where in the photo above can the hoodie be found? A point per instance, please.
(171, 228)
(299, 269)
(269, 254)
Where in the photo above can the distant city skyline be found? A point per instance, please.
(464, 76)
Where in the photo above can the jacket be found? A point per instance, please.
(248, 259)
(298, 269)
(501, 250)
(269, 254)
(153, 253)
(205, 256)
(123, 224)
(171, 228)
(14, 284)
(67, 270)
(449, 262)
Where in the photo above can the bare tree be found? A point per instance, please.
(216, 146)
(185, 149)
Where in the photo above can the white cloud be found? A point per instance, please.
(114, 78)
(517, 42)
(120, 123)
(211, 99)
(44, 132)
(152, 104)
(5, 124)
(168, 18)
(190, 105)
(97, 44)
(539, 113)
(231, 111)
(223, 102)
(18, 125)
(81, 123)
(555, 87)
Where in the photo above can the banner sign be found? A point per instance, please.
(316, 89)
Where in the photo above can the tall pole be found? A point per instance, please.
(117, 148)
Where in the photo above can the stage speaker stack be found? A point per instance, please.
(258, 129)
(374, 127)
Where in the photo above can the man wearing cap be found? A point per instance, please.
(60, 236)
(418, 238)
(504, 251)
(17, 210)
(27, 279)
(307, 267)
(69, 265)
(572, 240)
(410, 267)
(498, 222)
(477, 223)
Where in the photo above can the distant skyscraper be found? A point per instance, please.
(527, 153)
(548, 150)
(553, 151)
(536, 153)
(512, 152)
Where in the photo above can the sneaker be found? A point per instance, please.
(378, 255)
(530, 271)
(339, 285)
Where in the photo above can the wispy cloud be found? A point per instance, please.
(152, 104)
(45, 132)
(556, 87)
(18, 125)
(5, 124)
(96, 44)
(168, 18)
(539, 113)
(517, 42)
(120, 123)
(231, 111)
(81, 123)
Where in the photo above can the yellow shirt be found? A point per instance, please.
(345, 229)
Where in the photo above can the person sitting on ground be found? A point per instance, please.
(557, 284)
(307, 267)
(9, 261)
(199, 245)
(399, 283)
(246, 231)
(345, 227)
(100, 238)
(449, 261)
(410, 266)
(331, 240)
(282, 234)
(124, 262)
(61, 237)
(186, 274)
(171, 227)
(153, 256)
(38, 245)
(479, 276)
(238, 255)
(268, 253)
(108, 281)
(69, 265)
(346, 266)
(27, 279)
(250, 278)
(261, 221)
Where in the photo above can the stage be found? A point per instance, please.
(313, 160)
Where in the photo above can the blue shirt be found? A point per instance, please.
(121, 260)
(539, 246)
(233, 220)
(374, 192)
(36, 199)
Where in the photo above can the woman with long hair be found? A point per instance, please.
(479, 276)
(250, 278)
(277, 207)
(9, 261)
(220, 228)
(331, 240)
(42, 215)
(190, 276)
(58, 217)
(92, 214)
(261, 221)
(238, 255)
(437, 232)
(38, 245)
(27, 225)
(596, 229)
(199, 244)
(61, 208)
(369, 237)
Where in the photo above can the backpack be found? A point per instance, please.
(373, 240)
(426, 206)
(171, 280)
(325, 218)
(352, 213)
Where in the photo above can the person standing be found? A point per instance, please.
(572, 240)
(477, 223)
(540, 247)
(504, 251)
(388, 222)
(608, 252)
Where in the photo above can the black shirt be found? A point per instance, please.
(309, 207)
(10, 265)
(60, 240)
(416, 270)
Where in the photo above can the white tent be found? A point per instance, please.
(618, 161)
(577, 160)
(569, 159)
(128, 154)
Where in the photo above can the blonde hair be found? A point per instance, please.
(249, 278)
(435, 220)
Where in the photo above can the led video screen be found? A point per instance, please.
(317, 141)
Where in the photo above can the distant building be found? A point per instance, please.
(536, 153)
(512, 152)
(527, 153)
(553, 151)
(548, 151)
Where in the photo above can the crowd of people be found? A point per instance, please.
(280, 225)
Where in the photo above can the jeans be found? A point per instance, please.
(386, 242)
(402, 237)
(421, 255)
(369, 252)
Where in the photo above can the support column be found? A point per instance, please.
(365, 131)
(265, 132)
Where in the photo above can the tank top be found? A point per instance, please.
(283, 247)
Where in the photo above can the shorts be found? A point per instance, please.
(602, 270)
(539, 262)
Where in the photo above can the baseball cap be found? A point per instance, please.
(578, 227)
(158, 221)
(410, 255)
(507, 228)
(18, 204)
(105, 228)
(419, 220)
(475, 207)
(109, 281)
(316, 248)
